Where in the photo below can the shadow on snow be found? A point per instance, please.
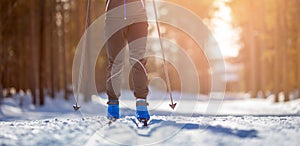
(218, 129)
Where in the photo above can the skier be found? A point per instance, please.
(133, 14)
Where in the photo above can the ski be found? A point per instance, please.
(131, 123)
(144, 122)
(112, 120)
(140, 124)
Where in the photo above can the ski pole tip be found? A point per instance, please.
(173, 105)
(76, 107)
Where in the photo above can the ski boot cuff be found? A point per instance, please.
(113, 102)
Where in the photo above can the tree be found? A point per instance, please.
(1, 58)
(271, 34)
(33, 35)
(298, 48)
(41, 51)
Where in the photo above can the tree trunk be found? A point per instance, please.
(1, 58)
(253, 59)
(284, 50)
(298, 54)
(17, 58)
(64, 57)
(263, 63)
(81, 11)
(52, 48)
(34, 38)
(278, 53)
(41, 53)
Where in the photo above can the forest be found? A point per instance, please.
(38, 40)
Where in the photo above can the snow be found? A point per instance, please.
(240, 121)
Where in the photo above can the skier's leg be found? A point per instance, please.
(137, 39)
(115, 53)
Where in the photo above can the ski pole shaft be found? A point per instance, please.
(172, 105)
(76, 106)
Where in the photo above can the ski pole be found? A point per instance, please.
(172, 105)
(76, 106)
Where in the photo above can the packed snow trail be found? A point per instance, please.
(166, 130)
(240, 121)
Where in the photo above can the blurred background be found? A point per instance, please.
(260, 41)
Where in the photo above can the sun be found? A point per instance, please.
(223, 31)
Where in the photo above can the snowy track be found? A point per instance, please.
(241, 121)
(204, 130)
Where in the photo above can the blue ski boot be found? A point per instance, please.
(142, 113)
(113, 110)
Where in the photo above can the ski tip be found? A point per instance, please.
(173, 105)
(76, 107)
(144, 122)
